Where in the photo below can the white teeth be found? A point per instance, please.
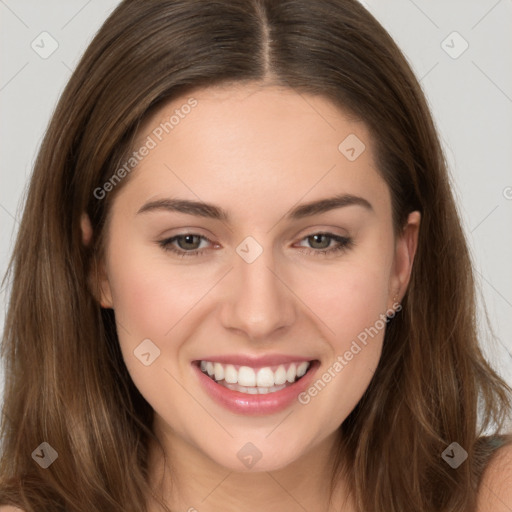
(301, 369)
(219, 371)
(265, 377)
(262, 380)
(251, 391)
(231, 375)
(280, 376)
(246, 376)
(291, 373)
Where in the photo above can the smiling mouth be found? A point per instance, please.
(255, 381)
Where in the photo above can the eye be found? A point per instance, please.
(187, 244)
(321, 243)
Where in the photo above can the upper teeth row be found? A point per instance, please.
(247, 376)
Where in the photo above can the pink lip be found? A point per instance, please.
(255, 361)
(243, 403)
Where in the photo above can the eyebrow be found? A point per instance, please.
(201, 209)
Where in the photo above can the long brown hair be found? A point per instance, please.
(66, 382)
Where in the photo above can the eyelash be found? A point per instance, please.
(344, 244)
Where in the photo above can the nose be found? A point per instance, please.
(259, 301)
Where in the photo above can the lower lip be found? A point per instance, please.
(244, 403)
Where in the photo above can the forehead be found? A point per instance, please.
(246, 143)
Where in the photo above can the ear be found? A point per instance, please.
(405, 250)
(85, 224)
(97, 279)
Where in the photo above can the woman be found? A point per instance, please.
(240, 281)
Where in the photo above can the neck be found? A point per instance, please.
(191, 481)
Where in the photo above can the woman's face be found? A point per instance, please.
(253, 241)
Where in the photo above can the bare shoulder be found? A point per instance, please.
(496, 486)
(8, 508)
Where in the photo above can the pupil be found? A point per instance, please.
(316, 239)
(189, 239)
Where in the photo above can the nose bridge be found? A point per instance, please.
(259, 302)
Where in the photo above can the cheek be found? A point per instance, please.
(348, 298)
(351, 299)
(151, 296)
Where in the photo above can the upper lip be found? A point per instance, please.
(255, 361)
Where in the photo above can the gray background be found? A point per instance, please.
(469, 92)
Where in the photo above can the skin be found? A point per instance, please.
(256, 152)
